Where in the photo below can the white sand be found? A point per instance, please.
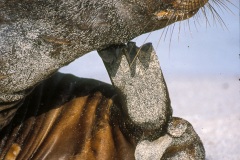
(212, 106)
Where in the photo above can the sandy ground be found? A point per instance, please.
(212, 106)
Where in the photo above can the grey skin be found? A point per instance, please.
(37, 37)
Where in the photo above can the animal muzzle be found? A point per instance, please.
(185, 5)
(177, 10)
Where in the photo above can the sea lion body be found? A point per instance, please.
(71, 118)
(39, 37)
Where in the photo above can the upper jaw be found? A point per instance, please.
(177, 10)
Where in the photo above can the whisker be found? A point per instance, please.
(212, 13)
(165, 36)
(194, 22)
(158, 43)
(165, 28)
(179, 30)
(222, 5)
(189, 27)
(217, 16)
(171, 37)
(205, 15)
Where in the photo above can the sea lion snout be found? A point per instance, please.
(180, 9)
(187, 5)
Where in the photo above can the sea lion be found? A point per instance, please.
(37, 37)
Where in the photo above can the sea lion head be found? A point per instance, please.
(152, 15)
